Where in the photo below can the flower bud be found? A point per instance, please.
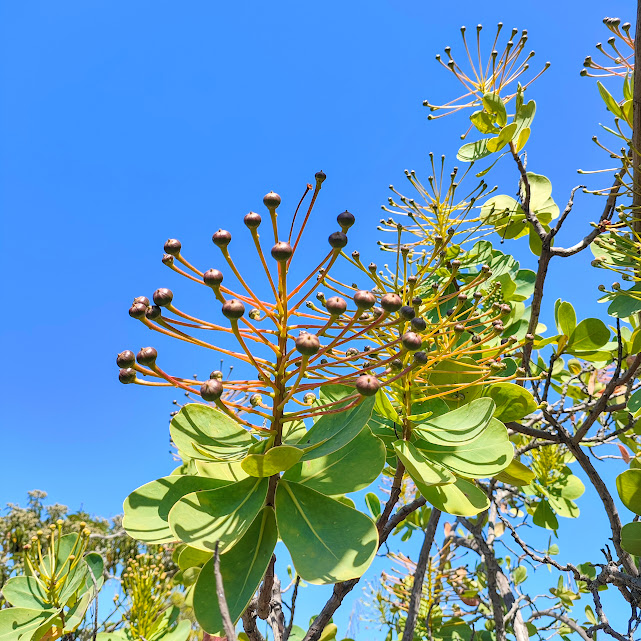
(147, 356)
(233, 309)
(364, 299)
(459, 328)
(216, 374)
(282, 251)
(391, 302)
(153, 312)
(338, 240)
(407, 312)
(417, 301)
(345, 219)
(173, 247)
(163, 297)
(127, 376)
(336, 305)
(307, 344)
(271, 200)
(418, 324)
(255, 400)
(141, 299)
(213, 277)
(125, 359)
(351, 352)
(221, 238)
(211, 390)
(420, 358)
(167, 260)
(320, 176)
(411, 341)
(254, 314)
(309, 398)
(137, 310)
(252, 220)
(367, 385)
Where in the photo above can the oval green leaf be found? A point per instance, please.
(200, 519)
(202, 432)
(352, 468)
(629, 489)
(147, 508)
(242, 570)
(328, 541)
(461, 498)
(277, 459)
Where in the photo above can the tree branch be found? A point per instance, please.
(419, 575)
(228, 625)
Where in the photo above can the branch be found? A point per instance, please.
(385, 528)
(600, 406)
(265, 594)
(419, 575)
(571, 623)
(249, 622)
(228, 626)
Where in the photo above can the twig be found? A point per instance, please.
(292, 609)
(419, 575)
(265, 594)
(571, 623)
(228, 626)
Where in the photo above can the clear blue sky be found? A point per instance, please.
(125, 123)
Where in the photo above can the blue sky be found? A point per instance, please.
(125, 123)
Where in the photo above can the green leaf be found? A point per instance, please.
(328, 541)
(590, 334)
(201, 432)
(564, 507)
(525, 115)
(275, 460)
(482, 457)
(473, 151)
(26, 592)
(565, 317)
(570, 487)
(242, 570)
(629, 489)
(609, 101)
(231, 472)
(458, 377)
(180, 633)
(333, 431)
(147, 508)
(460, 498)
(200, 519)
(419, 468)
(519, 574)
(373, 504)
(544, 516)
(626, 303)
(630, 538)
(521, 139)
(192, 557)
(460, 425)
(24, 624)
(506, 135)
(384, 407)
(540, 192)
(352, 468)
(483, 122)
(494, 105)
(513, 402)
(516, 474)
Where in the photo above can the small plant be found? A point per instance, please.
(60, 582)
